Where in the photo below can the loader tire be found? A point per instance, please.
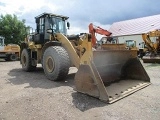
(26, 61)
(7, 58)
(56, 63)
(13, 57)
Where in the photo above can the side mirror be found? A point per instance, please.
(68, 25)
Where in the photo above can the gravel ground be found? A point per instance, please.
(30, 96)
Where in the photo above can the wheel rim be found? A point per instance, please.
(13, 57)
(24, 60)
(50, 65)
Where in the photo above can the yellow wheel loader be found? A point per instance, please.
(152, 43)
(10, 52)
(108, 75)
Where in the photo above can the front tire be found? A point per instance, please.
(56, 63)
(26, 61)
(7, 58)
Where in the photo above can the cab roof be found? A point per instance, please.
(50, 14)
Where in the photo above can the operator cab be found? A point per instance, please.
(47, 24)
(130, 43)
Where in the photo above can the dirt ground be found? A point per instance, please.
(30, 96)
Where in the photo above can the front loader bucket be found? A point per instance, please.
(111, 75)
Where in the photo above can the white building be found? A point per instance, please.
(133, 29)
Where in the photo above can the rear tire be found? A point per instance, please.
(26, 61)
(56, 63)
(13, 57)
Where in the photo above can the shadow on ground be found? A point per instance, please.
(37, 79)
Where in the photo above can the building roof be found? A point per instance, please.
(135, 26)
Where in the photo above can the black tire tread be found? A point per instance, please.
(64, 63)
(29, 66)
(8, 58)
(14, 56)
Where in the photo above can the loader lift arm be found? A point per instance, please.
(96, 29)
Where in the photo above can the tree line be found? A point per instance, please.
(12, 29)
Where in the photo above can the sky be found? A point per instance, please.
(101, 13)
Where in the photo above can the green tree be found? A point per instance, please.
(12, 29)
